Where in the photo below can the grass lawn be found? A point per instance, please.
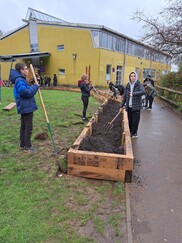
(37, 205)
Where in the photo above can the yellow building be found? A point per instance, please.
(68, 50)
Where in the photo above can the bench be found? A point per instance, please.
(10, 106)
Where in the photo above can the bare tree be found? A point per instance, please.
(165, 31)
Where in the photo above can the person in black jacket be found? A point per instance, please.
(55, 80)
(116, 88)
(133, 102)
(85, 88)
(149, 86)
(149, 80)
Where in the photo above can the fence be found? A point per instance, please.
(173, 97)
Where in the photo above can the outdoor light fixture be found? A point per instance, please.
(74, 55)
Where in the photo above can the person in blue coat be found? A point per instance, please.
(133, 102)
(25, 103)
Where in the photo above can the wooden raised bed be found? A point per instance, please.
(98, 165)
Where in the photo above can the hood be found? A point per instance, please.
(80, 83)
(14, 74)
(136, 76)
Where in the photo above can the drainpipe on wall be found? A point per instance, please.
(99, 70)
(124, 61)
(150, 67)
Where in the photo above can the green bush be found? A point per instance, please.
(173, 80)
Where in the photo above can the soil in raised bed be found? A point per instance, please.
(101, 139)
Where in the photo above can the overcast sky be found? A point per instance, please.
(114, 14)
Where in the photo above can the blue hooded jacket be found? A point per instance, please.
(23, 93)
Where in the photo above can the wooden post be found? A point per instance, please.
(86, 70)
(89, 70)
(123, 139)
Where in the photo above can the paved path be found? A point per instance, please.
(156, 191)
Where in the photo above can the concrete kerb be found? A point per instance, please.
(128, 214)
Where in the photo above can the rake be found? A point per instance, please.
(44, 109)
(109, 125)
(95, 90)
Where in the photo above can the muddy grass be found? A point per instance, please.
(101, 139)
(105, 220)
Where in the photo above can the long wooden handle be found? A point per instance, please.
(115, 117)
(97, 92)
(42, 102)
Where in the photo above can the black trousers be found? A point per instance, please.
(149, 99)
(85, 100)
(26, 129)
(133, 120)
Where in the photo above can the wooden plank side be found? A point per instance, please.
(83, 134)
(92, 159)
(127, 145)
(9, 107)
(125, 164)
(97, 159)
(99, 153)
(96, 172)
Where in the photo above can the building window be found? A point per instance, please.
(148, 71)
(145, 72)
(95, 38)
(62, 72)
(108, 72)
(137, 70)
(118, 74)
(60, 47)
(109, 42)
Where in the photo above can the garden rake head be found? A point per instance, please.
(109, 125)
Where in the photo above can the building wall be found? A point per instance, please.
(109, 58)
(76, 41)
(13, 44)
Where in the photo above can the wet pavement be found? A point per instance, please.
(156, 190)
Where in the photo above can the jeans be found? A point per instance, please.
(85, 100)
(26, 129)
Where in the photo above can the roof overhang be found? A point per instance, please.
(13, 57)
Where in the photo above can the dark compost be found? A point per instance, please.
(102, 140)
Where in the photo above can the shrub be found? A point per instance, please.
(173, 80)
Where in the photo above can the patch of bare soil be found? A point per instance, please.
(102, 139)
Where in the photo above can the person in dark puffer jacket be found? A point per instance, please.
(25, 102)
(133, 102)
(85, 88)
